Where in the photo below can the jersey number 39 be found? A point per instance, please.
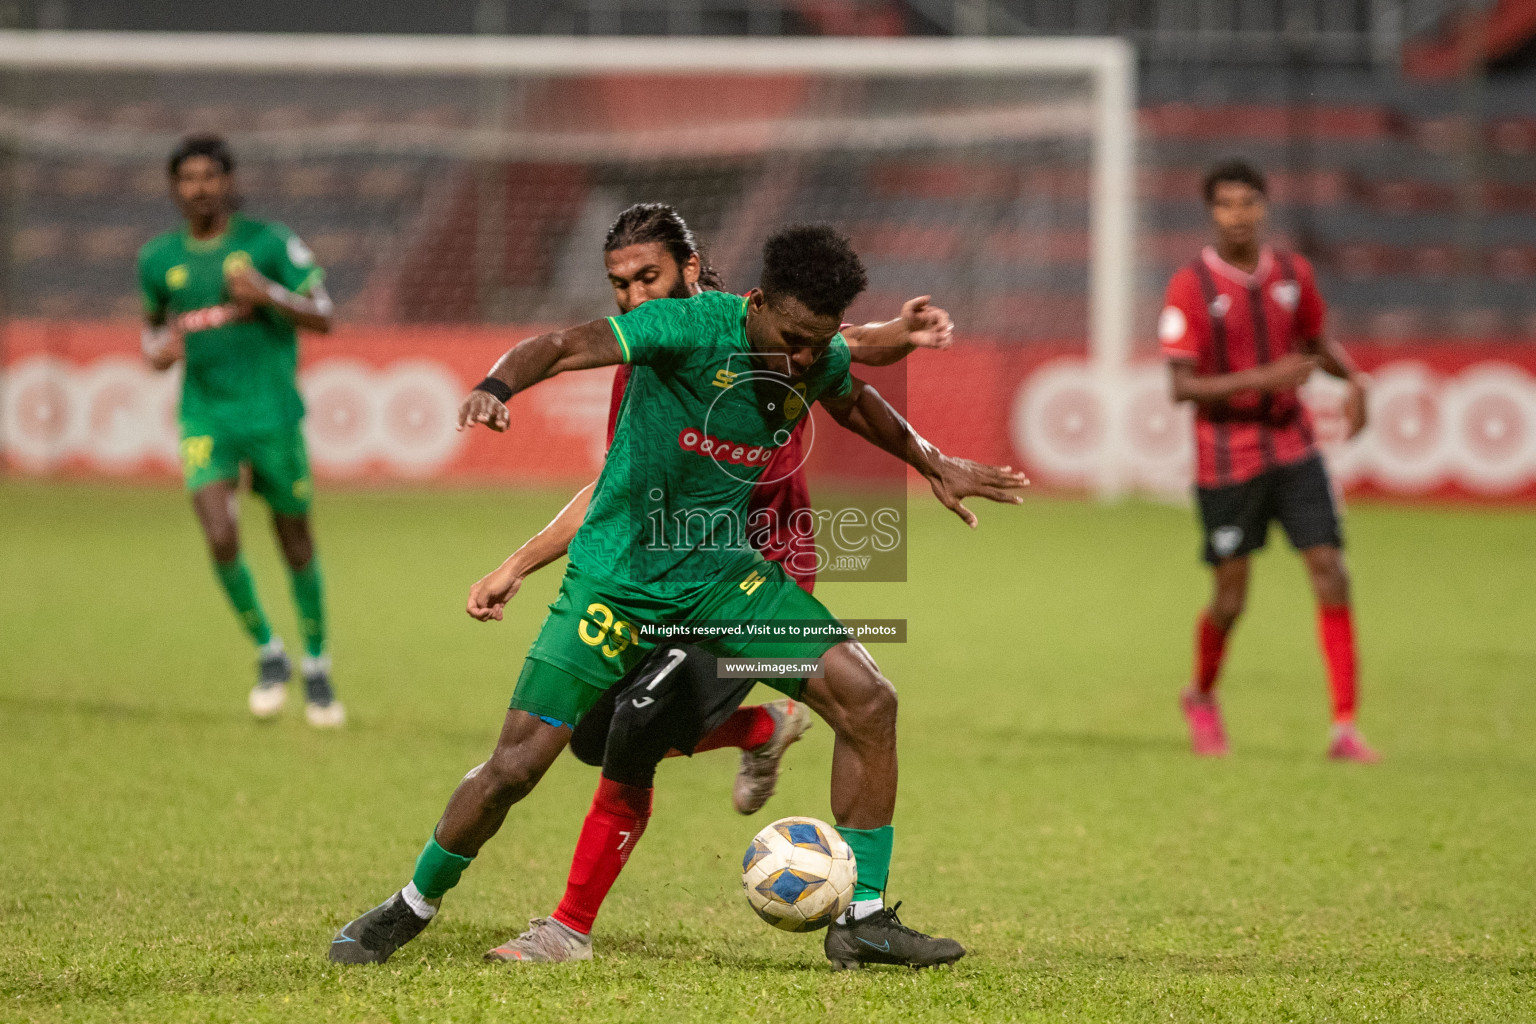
(599, 627)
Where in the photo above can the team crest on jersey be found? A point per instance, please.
(299, 254)
(1225, 539)
(794, 405)
(1220, 304)
(176, 277)
(1286, 293)
(236, 262)
(1171, 325)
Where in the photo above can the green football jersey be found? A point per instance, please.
(240, 375)
(700, 419)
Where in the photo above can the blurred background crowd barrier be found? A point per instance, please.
(458, 210)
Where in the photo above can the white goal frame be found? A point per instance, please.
(1108, 62)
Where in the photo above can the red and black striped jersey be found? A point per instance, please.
(1223, 320)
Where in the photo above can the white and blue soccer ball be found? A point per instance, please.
(799, 874)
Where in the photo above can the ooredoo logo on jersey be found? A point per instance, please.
(691, 439)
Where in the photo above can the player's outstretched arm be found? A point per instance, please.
(489, 596)
(920, 325)
(251, 290)
(867, 414)
(576, 348)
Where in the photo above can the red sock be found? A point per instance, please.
(1210, 647)
(747, 727)
(1336, 631)
(613, 826)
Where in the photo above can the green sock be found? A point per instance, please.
(437, 870)
(872, 852)
(309, 596)
(241, 589)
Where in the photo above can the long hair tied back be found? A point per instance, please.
(645, 223)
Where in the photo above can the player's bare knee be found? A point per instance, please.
(855, 698)
(1330, 579)
(298, 551)
(882, 706)
(223, 543)
(1231, 595)
(1227, 608)
(294, 537)
(871, 710)
(511, 773)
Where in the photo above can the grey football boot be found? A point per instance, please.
(881, 938)
(374, 937)
(758, 775)
(546, 941)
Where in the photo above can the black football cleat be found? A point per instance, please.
(374, 937)
(881, 938)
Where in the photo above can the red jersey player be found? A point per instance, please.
(1242, 328)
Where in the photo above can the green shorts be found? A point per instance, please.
(278, 459)
(587, 642)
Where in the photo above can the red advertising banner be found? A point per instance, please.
(75, 398)
(1451, 421)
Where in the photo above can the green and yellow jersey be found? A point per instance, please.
(240, 375)
(700, 419)
(668, 534)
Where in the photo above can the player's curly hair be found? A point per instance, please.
(1240, 171)
(815, 264)
(644, 223)
(211, 146)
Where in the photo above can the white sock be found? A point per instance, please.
(578, 936)
(315, 666)
(271, 647)
(858, 910)
(424, 908)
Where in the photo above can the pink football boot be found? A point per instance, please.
(1349, 745)
(1207, 737)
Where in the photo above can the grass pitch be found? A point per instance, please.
(167, 859)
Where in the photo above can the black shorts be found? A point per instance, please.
(670, 701)
(1236, 518)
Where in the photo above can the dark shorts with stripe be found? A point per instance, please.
(1299, 496)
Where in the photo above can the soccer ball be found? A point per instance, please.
(798, 874)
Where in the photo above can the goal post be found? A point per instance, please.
(1028, 103)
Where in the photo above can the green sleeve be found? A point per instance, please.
(152, 289)
(288, 261)
(662, 330)
(837, 378)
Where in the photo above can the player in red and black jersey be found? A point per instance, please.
(1242, 329)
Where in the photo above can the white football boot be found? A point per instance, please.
(273, 670)
(321, 708)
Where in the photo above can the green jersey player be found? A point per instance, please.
(225, 295)
(719, 382)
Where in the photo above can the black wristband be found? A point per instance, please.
(497, 389)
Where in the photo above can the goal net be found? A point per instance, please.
(457, 191)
